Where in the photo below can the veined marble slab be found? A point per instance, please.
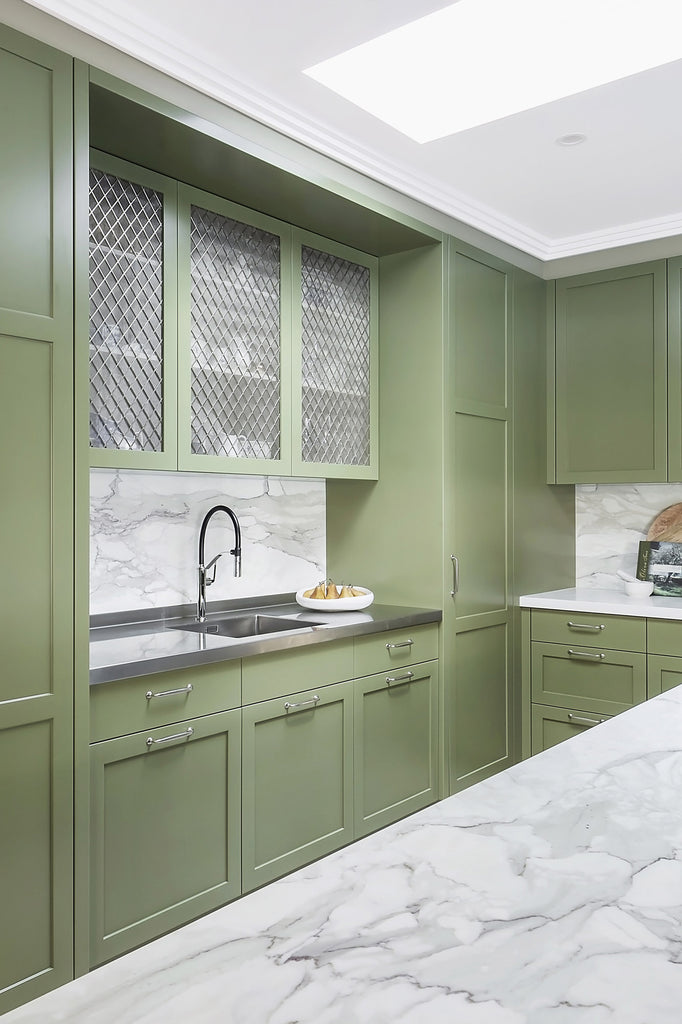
(606, 602)
(144, 530)
(550, 894)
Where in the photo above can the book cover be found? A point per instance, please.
(661, 562)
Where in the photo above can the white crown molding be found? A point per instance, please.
(156, 47)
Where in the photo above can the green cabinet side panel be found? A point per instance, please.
(481, 707)
(165, 821)
(298, 782)
(675, 369)
(611, 376)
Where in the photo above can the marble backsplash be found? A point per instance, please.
(144, 529)
(610, 521)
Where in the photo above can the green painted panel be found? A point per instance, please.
(675, 369)
(273, 675)
(297, 771)
(593, 680)
(480, 708)
(384, 652)
(396, 745)
(554, 725)
(164, 856)
(611, 376)
(479, 482)
(25, 859)
(662, 674)
(664, 637)
(26, 516)
(618, 632)
(479, 324)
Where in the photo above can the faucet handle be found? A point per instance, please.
(211, 565)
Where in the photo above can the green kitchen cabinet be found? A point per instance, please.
(664, 673)
(675, 369)
(132, 315)
(608, 391)
(396, 745)
(165, 826)
(550, 725)
(298, 780)
(36, 519)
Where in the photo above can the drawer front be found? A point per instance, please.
(554, 725)
(586, 678)
(616, 632)
(664, 637)
(663, 674)
(145, 702)
(382, 652)
(266, 676)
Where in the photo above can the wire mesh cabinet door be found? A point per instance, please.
(132, 315)
(335, 360)
(235, 323)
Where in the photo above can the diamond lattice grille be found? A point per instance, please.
(335, 338)
(126, 314)
(235, 280)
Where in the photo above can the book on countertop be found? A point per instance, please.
(661, 562)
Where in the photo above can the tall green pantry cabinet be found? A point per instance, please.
(36, 519)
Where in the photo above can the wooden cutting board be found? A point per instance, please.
(667, 525)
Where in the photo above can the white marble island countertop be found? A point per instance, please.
(605, 602)
(550, 894)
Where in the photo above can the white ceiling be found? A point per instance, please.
(508, 178)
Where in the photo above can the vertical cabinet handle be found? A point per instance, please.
(455, 575)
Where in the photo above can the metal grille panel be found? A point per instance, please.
(126, 315)
(335, 338)
(235, 317)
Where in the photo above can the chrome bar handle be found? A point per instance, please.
(587, 657)
(455, 575)
(585, 721)
(169, 693)
(586, 626)
(302, 703)
(394, 647)
(150, 741)
(408, 677)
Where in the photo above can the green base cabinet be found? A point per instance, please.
(550, 726)
(298, 780)
(165, 818)
(396, 745)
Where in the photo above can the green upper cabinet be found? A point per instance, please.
(132, 315)
(608, 419)
(675, 369)
(335, 360)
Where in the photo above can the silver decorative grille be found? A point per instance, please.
(126, 315)
(235, 316)
(335, 296)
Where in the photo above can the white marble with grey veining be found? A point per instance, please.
(604, 602)
(550, 894)
(144, 529)
(610, 521)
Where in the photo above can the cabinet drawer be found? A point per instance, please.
(663, 674)
(554, 725)
(125, 706)
(586, 678)
(266, 676)
(616, 632)
(664, 637)
(382, 652)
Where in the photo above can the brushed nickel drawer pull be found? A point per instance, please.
(302, 703)
(408, 677)
(585, 655)
(169, 693)
(150, 741)
(586, 721)
(586, 626)
(394, 647)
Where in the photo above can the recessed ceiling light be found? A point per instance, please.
(479, 60)
(571, 139)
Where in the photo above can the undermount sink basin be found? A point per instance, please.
(252, 624)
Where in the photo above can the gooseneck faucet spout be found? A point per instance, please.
(204, 580)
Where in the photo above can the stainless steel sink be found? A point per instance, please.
(251, 624)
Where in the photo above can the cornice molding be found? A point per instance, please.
(164, 52)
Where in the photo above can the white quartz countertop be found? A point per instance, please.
(550, 894)
(606, 602)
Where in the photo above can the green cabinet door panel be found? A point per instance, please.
(664, 637)
(617, 632)
(481, 709)
(297, 779)
(396, 745)
(662, 674)
(35, 187)
(165, 821)
(602, 681)
(479, 324)
(611, 376)
(675, 369)
(282, 672)
(554, 725)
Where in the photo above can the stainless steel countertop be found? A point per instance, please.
(144, 642)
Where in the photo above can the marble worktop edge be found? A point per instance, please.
(605, 602)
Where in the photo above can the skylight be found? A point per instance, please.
(479, 60)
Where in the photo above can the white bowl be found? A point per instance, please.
(341, 604)
(638, 588)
